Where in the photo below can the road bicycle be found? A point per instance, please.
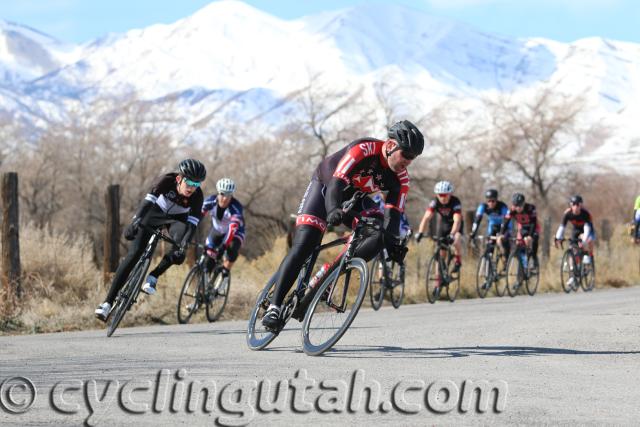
(387, 276)
(440, 274)
(128, 294)
(522, 270)
(574, 272)
(204, 287)
(490, 270)
(328, 307)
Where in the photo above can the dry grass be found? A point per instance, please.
(62, 286)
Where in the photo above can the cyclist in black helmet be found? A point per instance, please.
(368, 165)
(175, 202)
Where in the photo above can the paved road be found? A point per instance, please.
(564, 359)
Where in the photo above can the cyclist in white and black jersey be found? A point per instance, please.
(175, 202)
(227, 224)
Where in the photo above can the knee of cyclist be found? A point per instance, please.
(178, 257)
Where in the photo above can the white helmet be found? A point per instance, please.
(443, 187)
(226, 186)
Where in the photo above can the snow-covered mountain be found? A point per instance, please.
(231, 51)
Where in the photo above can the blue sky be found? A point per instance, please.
(564, 20)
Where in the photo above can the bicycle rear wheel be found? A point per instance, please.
(432, 279)
(484, 276)
(189, 300)
(567, 271)
(533, 278)
(128, 294)
(217, 294)
(376, 284)
(258, 337)
(397, 289)
(324, 323)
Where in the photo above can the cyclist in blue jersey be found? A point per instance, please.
(495, 210)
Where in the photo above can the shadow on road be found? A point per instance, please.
(445, 352)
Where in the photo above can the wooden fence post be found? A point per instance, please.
(605, 232)
(10, 235)
(546, 239)
(112, 232)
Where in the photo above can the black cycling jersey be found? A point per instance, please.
(446, 211)
(164, 193)
(578, 221)
(527, 219)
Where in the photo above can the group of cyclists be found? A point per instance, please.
(176, 202)
(376, 167)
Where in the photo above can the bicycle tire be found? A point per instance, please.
(376, 285)
(567, 268)
(193, 278)
(533, 279)
(130, 292)
(588, 281)
(258, 338)
(500, 278)
(484, 276)
(221, 287)
(309, 345)
(514, 274)
(453, 288)
(431, 278)
(397, 290)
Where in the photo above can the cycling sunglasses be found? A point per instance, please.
(225, 194)
(443, 194)
(491, 200)
(192, 183)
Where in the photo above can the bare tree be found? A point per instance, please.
(528, 136)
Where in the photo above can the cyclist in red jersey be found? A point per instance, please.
(367, 165)
(527, 227)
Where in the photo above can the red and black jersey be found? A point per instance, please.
(164, 193)
(446, 211)
(361, 166)
(579, 220)
(527, 219)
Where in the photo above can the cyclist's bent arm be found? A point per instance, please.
(425, 220)
(457, 220)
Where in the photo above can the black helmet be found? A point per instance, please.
(575, 199)
(517, 199)
(491, 194)
(192, 169)
(409, 138)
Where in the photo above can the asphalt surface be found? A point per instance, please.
(554, 359)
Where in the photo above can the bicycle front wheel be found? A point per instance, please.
(217, 295)
(332, 311)
(189, 300)
(514, 274)
(533, 277)
(568, 271)
(397, 289)
(588, 276)
(376, 285)
(484, 276)
(258, 337)
(128, 294)
(433, 279)
(453, 288)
